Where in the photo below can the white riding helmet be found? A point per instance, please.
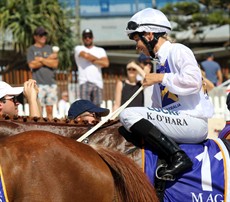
(148, 20)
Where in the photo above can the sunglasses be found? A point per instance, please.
(42, 35)
(147, 63)
(131, 69)
(13, 99)
(94, 115)
(85, 37)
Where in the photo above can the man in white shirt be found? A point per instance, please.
(90, 60)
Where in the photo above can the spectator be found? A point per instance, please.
(85, 110)
(63, 104)
(9, 98)
(145, 62)
(225, 73)
(180, 108)
(212, 70)
(207, 85)
(43, 62)
(226, 130)
(147, 66)
(90, 60)
(125, 89)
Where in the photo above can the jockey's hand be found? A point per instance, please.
(152, 78)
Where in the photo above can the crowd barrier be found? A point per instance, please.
(218, 97)
(23, 110)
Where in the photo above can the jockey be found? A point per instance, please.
(180, 108)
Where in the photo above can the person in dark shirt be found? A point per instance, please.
(43, 61)
(212, 70)
(125, 89)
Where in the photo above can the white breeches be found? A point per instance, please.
(180, 127)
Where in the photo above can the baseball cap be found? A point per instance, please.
(210, 54)
(81, 106)
(143, 58)
(87, 32)
(148, 20)
(6, 89)
(40, 31)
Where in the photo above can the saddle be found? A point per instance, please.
(160, 185)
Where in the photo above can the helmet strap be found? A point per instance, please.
(151, 44)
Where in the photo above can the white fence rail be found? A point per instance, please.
(218, 100)
(218, 97)
(23, 110)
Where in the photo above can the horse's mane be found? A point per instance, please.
(41, 119)
(116, 163)
(65, 127)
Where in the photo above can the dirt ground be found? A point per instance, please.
(214, 126)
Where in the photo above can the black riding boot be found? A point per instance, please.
(135, 139)
(178, 159)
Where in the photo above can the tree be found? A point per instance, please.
(21, 17)
(187, 14)
(215, 4)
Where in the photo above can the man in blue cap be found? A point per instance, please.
(85, 110)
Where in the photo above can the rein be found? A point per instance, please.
(110, 116)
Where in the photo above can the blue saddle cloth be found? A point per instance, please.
(3, 194)
(206, 181)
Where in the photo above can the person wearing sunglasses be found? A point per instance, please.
(180, 108)
(126, 88)
(10, 98)
(86, 111)
(43, 62)
(90, 59)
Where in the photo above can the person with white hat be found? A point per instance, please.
(180, 108)
(9, 98)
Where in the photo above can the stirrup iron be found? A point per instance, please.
(166, 177)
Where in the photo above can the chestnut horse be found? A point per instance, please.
(109, 137)
(42, 166)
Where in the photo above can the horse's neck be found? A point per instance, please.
(70, 128)
(107, 135)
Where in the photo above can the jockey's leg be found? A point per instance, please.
(179, 161)
(135, 139)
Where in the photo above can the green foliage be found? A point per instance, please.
(210, 4)
(217, 17)
(21, 17)
(182, 8)
(186, 14)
